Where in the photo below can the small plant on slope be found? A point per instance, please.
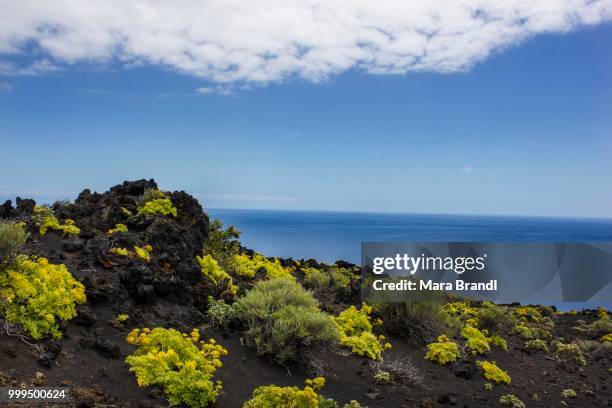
(477, 341)
(511, 400)
(12, 238)
(161, 206)
(176, 362)
(492, 372)
(273, 396)
(356, 333)
(211, 269)
(442, 352)
(45, 219)
(118, 228)
(36, 295)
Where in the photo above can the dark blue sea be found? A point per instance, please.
(330, 236)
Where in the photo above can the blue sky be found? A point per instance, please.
(526, 130)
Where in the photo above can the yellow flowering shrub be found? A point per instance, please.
(179, 363)
(45, 219)
(355, 330)
(248, 266)
(211, 269)
(492, 372)
(527, 313)
(161, 206)
(442, 352)
(143, 253)
(460, 309)
(120, 251)
(477, 341)
(36, 295)
(118, 228)
(273, 396)
(607, 338)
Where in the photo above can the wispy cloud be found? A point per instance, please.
(4, 87)
(466, 170)
(272, 40)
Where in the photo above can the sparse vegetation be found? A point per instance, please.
(569, 393)
(271, 396)
(536, 345)
(220, 313)
(175, 362)
(44, 218)
(382, 377)
(511, 400)
(118, 229)
(568, 353)
(211, 269)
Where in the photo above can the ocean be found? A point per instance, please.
(330, 236)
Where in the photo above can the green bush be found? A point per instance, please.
(36, 295)
(511, 400)
(382, 377)
(220, 313)
(175, 362)
(316, 279)
(273, 396)
(222, 244)
(150, 194)
(600, 327)
(12, 238)
(282, 318)
(569, 393)
(443, 352)
(419, 322)
(356, 334)
(536, 345)
(568, 353)
(494, 318)
(248, 266)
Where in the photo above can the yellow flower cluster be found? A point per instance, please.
(178, 362)
(143, 253)
(355, 331)
(211, 269)
(492, 372)
(37, 295)
(248, 266)
(161, 206)
(118, 228)
(272, 396)
(442, 352)
(45, 219)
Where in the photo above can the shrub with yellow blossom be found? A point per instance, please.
(45, 219)
(179, 363)
(211, 269)
(118, 228)
(143, 253)
(36, 295)
(161, 206)
(442, 352)
(272, 396)
(492, 372)
(355, 330)
(248, 266)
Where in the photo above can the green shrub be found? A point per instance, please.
(143, 253)
(494, 318)
(36, 295)
(12, 238)
(527, 313)
(316, 279)
(44, 218)
(220, 313)
(150, 194)
(222, 244)
(273, 396)
(282, 318)
(511, 400)
(568, 353)
(443, 352)
(530, 333)
(120, 251)
(382, 377)
(161, 206)
(536, 345)
(477, 341)
(175, 362)
(356, 334)
(492, 372)
(600, 327)
(211, 269)
(419, 322)
(569, 393)
(499, 341)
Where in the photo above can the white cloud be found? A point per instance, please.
(261, 41)
(466, 170)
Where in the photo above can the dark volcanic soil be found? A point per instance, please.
(169, 291)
